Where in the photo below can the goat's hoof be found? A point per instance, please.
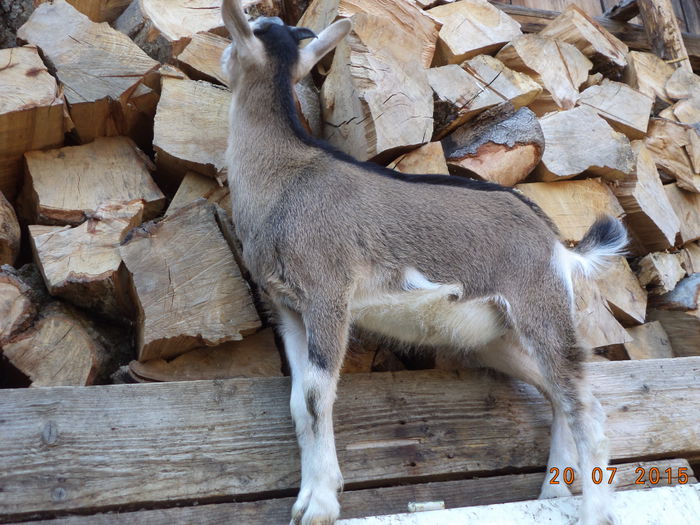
(316, 507)
(550, 490)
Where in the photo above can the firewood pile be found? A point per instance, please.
(119, 256)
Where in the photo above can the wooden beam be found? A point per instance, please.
(104, 447)
(624, 11)
(381, 501)
(534, 20)
(664, 33)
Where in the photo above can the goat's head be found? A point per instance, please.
(267, 47)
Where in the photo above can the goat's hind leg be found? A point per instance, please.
(560, 361)
(314, 379)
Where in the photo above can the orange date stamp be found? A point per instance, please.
(652, 475)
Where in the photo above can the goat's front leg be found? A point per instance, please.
(315, 347)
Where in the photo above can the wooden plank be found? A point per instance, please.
(381, 501)
(534, 20)
(108, 446)
(663, 506)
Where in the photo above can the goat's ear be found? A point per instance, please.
(316, 50)
(235, 21)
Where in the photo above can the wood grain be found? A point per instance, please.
(102, 447)
(374, 502)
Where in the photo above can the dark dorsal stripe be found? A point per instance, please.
(281, 45)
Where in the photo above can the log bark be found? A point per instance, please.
(589, 198)
(502, 145)
(200, 145)
(626, 298)
(180, 306)
(660, 272)
(65, 186)
(687, 206)
(30, 94)
(670, 142)
(648, 212)
(83, 265)
(660, 24)
(649, 341)
(578, 141)
(471, 28)
(120, 99)
(255, 356)
(9, 232)
(624, 11)
(558, 66)
(163, 29)
(429, 158)
(626, 109)
(370, 78)
(418, 29)
(574, 26)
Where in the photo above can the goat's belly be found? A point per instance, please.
(432, 318)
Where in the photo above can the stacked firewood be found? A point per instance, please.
(115, 229)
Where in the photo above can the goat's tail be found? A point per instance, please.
(607, 238)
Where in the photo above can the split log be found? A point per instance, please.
(501, 145)
(17, 304)
(577, 141)
(648, 74)
(518, 88)
(470, 28)
(457, 98)
(186, 284)
(201, 57)
(64, 186)
(369, 78)
(419, 30)
(690, 258)
(660, 24)
(683, 329)
(687, 206)
(60, 349)
(9, 232)
(648, 211)
(29, 95)
(97, 10)
(660, 272)
(596, 326)
(590, 198)
(688, 111)
(625, 296)
(649, 341)
(559, 67)
(682, 84)
(201, 144)
(607, 52)
(255, 356)
(429, 158)
(194, 186)
(683, 297)
(668, 141)
(163, 28)
(117, 101)
(83, 265)
(626, 109)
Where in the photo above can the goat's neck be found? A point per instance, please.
(263, 147)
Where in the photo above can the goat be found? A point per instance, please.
(459, 264)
